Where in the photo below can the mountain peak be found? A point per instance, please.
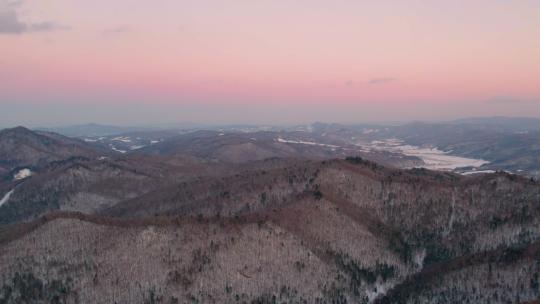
(17, 129)
(18, 132)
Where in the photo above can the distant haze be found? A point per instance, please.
(266, 62)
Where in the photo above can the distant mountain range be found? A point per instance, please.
(325, 213)
(88, 130)
(500, 143)
(512, 123)
(97, 130)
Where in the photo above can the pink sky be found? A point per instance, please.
(473, 57)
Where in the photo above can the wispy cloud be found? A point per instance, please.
(381, 80)
(10, 23)
(373, 81)
(10, 3)
(46, 27)
(117, 30)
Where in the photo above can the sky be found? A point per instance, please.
(129, 62)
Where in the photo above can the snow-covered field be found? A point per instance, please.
(6, 197)
(433, 158)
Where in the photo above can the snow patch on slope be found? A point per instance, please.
(22, 174)
(6, 197)
(117, 150)
(124, 139)
(478, 172)
(305, 143)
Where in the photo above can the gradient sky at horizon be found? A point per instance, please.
(165, 61)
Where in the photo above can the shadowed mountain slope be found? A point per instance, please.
(20, 147)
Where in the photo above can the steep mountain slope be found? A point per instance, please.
(506, 275)
(168, 262)
(20, 147)
(311, 232)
